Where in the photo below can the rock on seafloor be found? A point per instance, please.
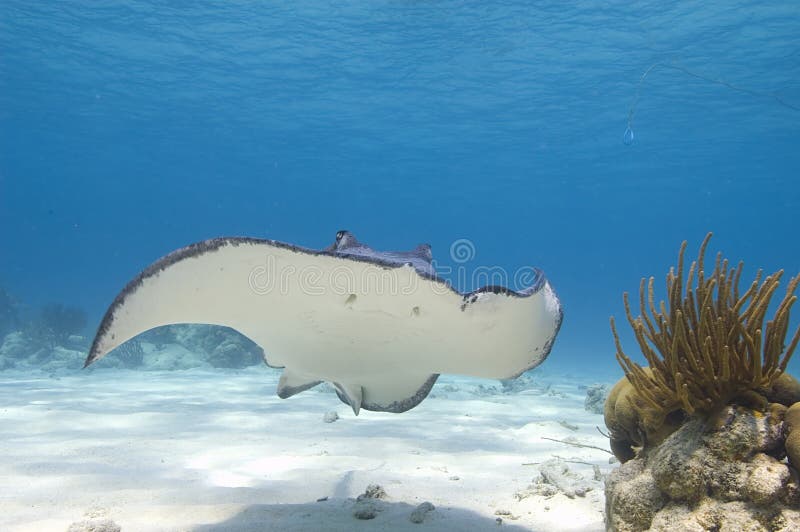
(722, 473)
(556, 477)
(369, 504)
(419, 513)
(94, 525)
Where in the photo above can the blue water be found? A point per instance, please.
(130, 129)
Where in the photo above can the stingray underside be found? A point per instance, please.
(379, 330)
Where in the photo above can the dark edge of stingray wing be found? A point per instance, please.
(288, 391)
(537, 285)
(398, 407)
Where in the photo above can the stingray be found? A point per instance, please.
(380, 326)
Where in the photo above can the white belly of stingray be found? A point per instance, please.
(381, 333)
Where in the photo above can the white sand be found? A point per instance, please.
(217, 450)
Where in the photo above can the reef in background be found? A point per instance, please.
(53, 339)
(219, 347)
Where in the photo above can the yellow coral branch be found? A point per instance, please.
(706, 343)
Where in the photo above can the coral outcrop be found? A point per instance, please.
(792, 422)
(222, 347)
(707, 346)
(723, 472)
(703, 431)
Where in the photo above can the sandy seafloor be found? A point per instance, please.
(205, 450)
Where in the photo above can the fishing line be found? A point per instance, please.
(628, 136)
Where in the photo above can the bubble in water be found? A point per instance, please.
(627, 137)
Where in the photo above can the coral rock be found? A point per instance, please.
(419, 513)
(767, 480)
(793, 434)
(632, 497)
(724, 472)
(784, 390)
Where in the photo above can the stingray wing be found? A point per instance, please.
(380, 331)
